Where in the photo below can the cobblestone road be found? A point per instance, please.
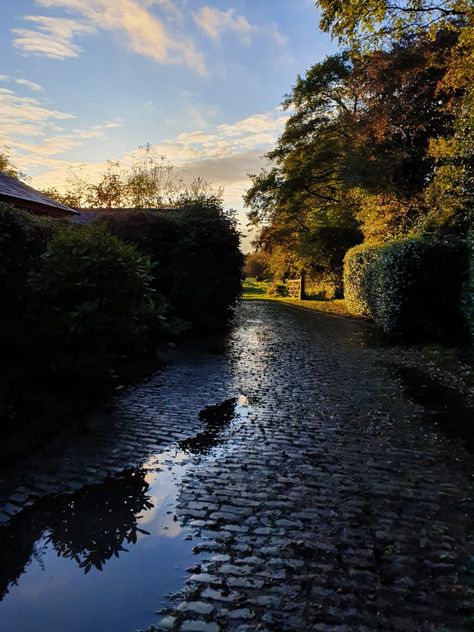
(318, 496)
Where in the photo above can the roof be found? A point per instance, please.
(23, 196)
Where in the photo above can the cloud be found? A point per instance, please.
(141, 31)
(31, 85)
(53, 37)
(35, 133)
(35, 87)
(215, 23)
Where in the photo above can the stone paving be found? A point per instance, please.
(326, 503)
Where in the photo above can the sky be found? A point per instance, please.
(84, 81)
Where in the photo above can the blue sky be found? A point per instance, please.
(83, 81)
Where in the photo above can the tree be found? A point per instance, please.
(301, 194)
(369, 23)
(7, 167)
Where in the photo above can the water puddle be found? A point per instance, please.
(102, 559)
(107, 557)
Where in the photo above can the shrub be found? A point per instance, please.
(199, 263)
(92, 293)
(410, 288)
(359, 279)
(23, 238)
(278, 289)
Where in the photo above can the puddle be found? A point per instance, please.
(444, 406)
(102, 559)
(107, 557)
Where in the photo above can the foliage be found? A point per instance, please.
(256, 265)
(92, 292)
(149, 181)
(278, 289)
(196, 247)
(7, 167)
(23, 238)
(359, 265)
(371, 22)
(307, 222)
(411, 288)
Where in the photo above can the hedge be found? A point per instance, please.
(23, 238)
(196, 249)
(412, 288)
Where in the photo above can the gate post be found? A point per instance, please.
(302, 285)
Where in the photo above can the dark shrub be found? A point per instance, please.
(196, 248)
(92, 292)
(23, 239)
(411, 288)
(278, 289)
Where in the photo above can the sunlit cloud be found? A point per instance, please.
(215, 23)
(51, 37)
(140, 30)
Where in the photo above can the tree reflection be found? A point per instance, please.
(215, 419)
(89, 526)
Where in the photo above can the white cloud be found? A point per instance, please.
(31, 85)
(140, 30)
(215, 23)
(35, 87)
(52, 37)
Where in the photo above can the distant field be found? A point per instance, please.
(254, 290)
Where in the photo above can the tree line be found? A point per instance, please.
(379, 141)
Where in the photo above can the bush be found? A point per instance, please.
(278, 289)
(92, 293)
(23, 238)
(196, 248)
(359, 265)
(410, 288)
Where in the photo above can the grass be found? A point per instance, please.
(257, 290)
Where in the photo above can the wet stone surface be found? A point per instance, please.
(314, 495)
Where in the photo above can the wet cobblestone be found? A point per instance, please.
(324, 504)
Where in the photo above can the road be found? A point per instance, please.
(317, 495)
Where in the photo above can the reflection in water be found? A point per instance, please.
(88, 527)
(50, 554)
(95, 524)
(215, 418)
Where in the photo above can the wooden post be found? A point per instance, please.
(302, 285)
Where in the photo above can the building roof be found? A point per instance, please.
(23, 196)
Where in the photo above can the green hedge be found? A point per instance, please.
(23, 238)
(411, 288)
(196, 249)
(90, 292)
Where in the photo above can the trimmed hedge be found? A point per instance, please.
(412, 288)
(196, 249)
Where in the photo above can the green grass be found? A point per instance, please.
(257, 290)
(254, 289)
